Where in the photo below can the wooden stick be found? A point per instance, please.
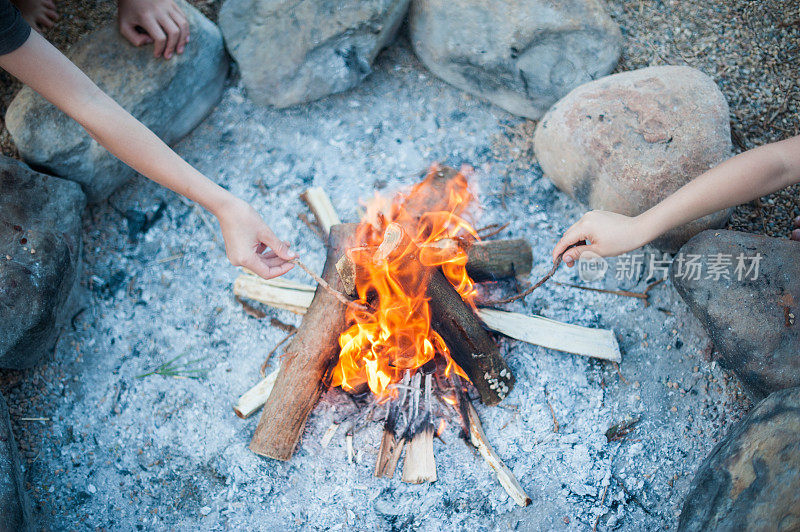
(537, 330)
(389, 453)
(504, 475)
(255, 397)
(585, 341)
(305, 370)
(322, 208)
(419, 464)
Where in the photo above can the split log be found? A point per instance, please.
(504, 475)
(255, 397)
(537, 330)
(305, 368)
(585, 341)
(322, 208)
(470, 345)
(419, 464)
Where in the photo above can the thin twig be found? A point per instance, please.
(522, 295)
(496, 231)
(552, 412)
(328, 288)
(263, 369)
(602, 500)
(623, 293)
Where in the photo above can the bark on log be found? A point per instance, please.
(493, 260)
(305, 368)
(471, 347)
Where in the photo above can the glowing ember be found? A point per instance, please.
(396, 334)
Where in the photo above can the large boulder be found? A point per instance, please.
(521, 55)
(40, 244)
(291, 52)
(169, 96)
(750, 480)
(751, 318)
(15, 515)
(625, 142)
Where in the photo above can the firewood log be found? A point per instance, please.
(471, 347)
(256, 396)
(305, 368)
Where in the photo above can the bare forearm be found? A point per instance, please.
(738, 180)
(53, 76)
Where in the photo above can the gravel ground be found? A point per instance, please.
(118, 449)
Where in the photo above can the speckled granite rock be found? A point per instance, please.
(170, 97)
(750, 480)
(625, 142)
(294, 52)
(40, 244)
(753, 322)
(14, 509)
(520, 55)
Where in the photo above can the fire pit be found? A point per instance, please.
(395, 323)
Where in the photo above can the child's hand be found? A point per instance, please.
(162, 21)
(247, 238)
(608, 234)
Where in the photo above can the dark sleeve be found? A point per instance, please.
(14, 31)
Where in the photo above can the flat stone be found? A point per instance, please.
(170, 97)
(15, 515)
(625, 142)
(292, 52)
(752, 321)
(750, 480)
(520, 55)
(40, 247)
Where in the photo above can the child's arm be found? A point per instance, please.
(38, 64)
(747, 176)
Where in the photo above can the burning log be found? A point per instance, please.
(255, 397)
(322, 208)
(490, 260)
(470, 345)
(304, 371)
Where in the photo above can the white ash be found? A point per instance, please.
(160, 452)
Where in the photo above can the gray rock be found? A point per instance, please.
(40, 245)
(750, 480)
(625, 142)
(752, 322)
(169, 96)
(521, 55)
(15, 515)
(291, 52)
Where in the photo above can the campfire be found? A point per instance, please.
(395, 321)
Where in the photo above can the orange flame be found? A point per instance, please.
(396, 335)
